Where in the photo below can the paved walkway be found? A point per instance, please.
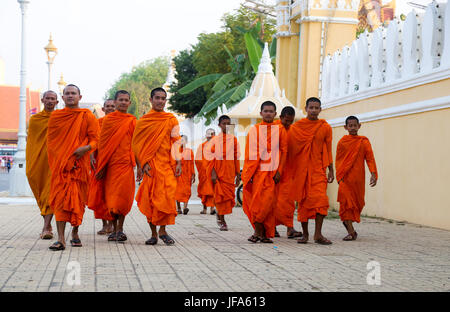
(411, 258)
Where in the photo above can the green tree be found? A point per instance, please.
(140, 81)
(188, 104)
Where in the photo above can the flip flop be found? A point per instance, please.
(266, 241)
(75, 243)
(185, 211)
(223, 227)
(167, 240)
(323, 241)
(302, 240)
(254, 239)
(57, 246)
(277, 234)
(213, 212)
(350, 237)
(101, 232)
(121, 237)
(151, 241)
(295, 235)
(112, 237)
(47, 235)
(203, 211)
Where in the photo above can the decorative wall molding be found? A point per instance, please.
(396, 111)
(324, 19)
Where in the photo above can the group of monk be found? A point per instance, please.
(75, 160)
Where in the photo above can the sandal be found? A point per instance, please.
(295, 234)
(112, 237)
(121, 237)
(223, 227)
(151, 241)
(167, 240)
(76, 242)
(203, 211)
(47, 235)
(323, 241)
(57, 246)
(213, 212)
(101, 232)
(303, 240)
(185, 211)
(350, 237)
(179, 211)
(277, 234)
(254, 239)
(266, 241)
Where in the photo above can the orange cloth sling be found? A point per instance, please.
(265, 154)
(223, 155)
(153, 138)
(351, 152)
(114, 194)
(183, 192)
(285, 207)
(69, 129)
(37, 168)
(205, 188)
(309, 148)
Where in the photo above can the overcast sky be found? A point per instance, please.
(97, 40)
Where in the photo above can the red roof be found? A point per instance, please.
(9, 110)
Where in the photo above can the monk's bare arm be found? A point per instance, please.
(328, 139)
(370, 160)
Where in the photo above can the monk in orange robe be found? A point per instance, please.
(37, 169)
(351, 152)
(284, 212)
(102, 213)
(114, 185)
(265, 157)
(205, 188)
(72, 134)
(156, 143)
(187, 178)
(309, 148)
(222, 157)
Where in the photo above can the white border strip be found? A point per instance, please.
(402, 110)
(324, 19)
(417, 80)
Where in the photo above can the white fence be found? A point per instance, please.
(415, 50)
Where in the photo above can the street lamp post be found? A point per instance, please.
(18, 180)
(51, 51)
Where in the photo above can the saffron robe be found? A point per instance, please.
(154, 139)
(265, 154)
(285, 207)
(183, 192)
(223, 156)
(37, 168)
(114, 194)
(351, 152)
(309, 148)
(69, 129)
(205, 188)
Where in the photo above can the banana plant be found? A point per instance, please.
(230, 88)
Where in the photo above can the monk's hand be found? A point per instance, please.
(238, 180)
(79, 152)
(101, 174)
(373, 180)
(139, 175)
(93, 162)
(193, 179)
(146, 170)
(214, 176)
(178, 169)
(330, 176)
(277, 177)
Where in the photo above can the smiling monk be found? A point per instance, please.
(72, 133)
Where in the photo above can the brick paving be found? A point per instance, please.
(204, 259)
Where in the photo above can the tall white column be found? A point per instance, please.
(18, 179)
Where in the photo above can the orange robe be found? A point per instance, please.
(205, 188)
(183, 192)
(69, 129)
(351, 152)
(265, 154)
(153, 140)
(285, 207)
(223, 156)
(37, 169)
(114, 194)
(309, 148)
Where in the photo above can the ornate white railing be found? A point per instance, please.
(402, 55)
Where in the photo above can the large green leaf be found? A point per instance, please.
(273, 48)
(223, 98)
(199, 82)
(224, 81)
(239, 93)
(254, 51)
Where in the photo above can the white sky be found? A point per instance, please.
(97, 40)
